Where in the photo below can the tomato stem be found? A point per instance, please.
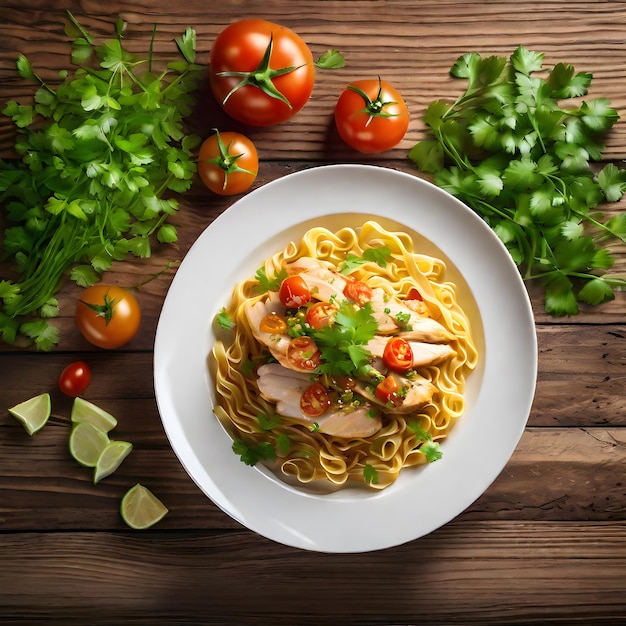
(374, 108)
(226, 161)
(262, 77)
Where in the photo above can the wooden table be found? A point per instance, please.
(546, 543)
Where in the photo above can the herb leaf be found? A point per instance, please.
(511, 151)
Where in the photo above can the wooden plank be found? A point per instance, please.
(477, 572)
(388, 36)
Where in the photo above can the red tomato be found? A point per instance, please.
(228, 163)
(75, 378)
(314, 400)
(294, 292)
(371, 116)
(303, 353)
(387, 391)
(414, 294)
(108, 316)
(398, 355)
(261, 73)
(357, 291)
(320, 315)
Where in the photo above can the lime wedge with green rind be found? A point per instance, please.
(140, 508)
(33, 413)
(110, 459)
(85, 411)
(87, 443)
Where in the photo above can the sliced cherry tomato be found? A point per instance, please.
(228, 163)
(273, 323)
(398, 355)
(261, 73)
(320, 314)
(108, 316)
(414, 294)
(294, 292)
(314, 400)
(75, 378)
(371, 116)
(387, 391)
(303, 353)
(357, 291)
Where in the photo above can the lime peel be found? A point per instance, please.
(140, 508)
(33, 413)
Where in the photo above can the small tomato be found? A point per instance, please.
(228, 163)
(261, 73)
(371, 116)
(108, 316)
(75, 378)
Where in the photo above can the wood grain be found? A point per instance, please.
(480, 572)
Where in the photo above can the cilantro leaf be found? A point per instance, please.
(520, 158)
(269, 283)
(370, 474)
(224, 320)
(251, 454)
(431, 450)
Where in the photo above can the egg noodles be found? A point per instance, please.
(345, 360)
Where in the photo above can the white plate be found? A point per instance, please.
(499, 393)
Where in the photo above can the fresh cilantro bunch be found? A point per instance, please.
(509, 150)
(99, 152)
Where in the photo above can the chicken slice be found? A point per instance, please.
(323, 283)
(386, 311)
(285, 387)
(418, 392)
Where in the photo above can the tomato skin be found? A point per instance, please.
(240, 47)
(320, 315)
(75, 378)
(125, 320)
(357, 291)
(387, 391)
(230, 174)
(314, 400)
(398, 355)
(371, 134)
(294, 292)
(273, 323)
(303, 353)
(414, 294)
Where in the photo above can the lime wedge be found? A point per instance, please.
(110, 459)
(85, 411)
(33, 413)
(140, 508)
(87, 443)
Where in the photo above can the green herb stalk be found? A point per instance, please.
(509, 150)
(101, 153)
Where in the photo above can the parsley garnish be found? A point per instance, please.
(342, 343)
(269, 283)
(224, 320)
(370, 475)
(251, 454)
(99, 152)
(509, 150)
(379, 255)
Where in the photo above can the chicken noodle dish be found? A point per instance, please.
(344, 359)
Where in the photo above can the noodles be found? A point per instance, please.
(361, 435)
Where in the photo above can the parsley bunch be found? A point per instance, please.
(98, 152)
(509, 150)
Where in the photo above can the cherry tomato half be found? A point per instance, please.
(228, 163)
(357, 291)
(414, 294)
(387, 391)
(398, 355)
(371, 116)
(314, 400)
(320, 314)
(273, 323)
(75, 378)
(108, 316)
(303, 354)
(293, 292)
(261, 73)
